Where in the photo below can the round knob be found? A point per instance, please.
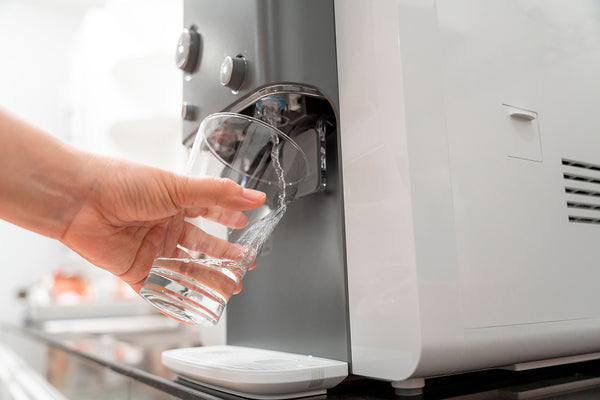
(233, 72)
(189, 112)
(188, 50)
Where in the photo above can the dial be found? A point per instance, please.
(188, 50)
(189, 112)
(233, 72)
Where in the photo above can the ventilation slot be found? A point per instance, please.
(582, 186)
(581, 178)
(584, 220)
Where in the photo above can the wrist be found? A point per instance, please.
(43, 179)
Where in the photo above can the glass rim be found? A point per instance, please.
(267, 126)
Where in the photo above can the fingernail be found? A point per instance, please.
(253, 195)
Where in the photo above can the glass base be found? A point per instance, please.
(181, 298)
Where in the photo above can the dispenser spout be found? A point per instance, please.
(287, 112)
(271, 109)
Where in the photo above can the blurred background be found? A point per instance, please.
(101, 75)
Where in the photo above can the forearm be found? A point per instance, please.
(42, 179)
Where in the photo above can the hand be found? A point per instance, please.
(121, 221)
(112, 212)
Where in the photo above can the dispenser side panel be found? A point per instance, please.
(497, 152)
(521, 92)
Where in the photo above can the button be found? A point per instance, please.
(188, 50)
(233, 72)
(189, 112)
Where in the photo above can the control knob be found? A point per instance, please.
(233, 72)
(189, 112)
(188, 50)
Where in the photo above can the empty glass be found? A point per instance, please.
(200, 263)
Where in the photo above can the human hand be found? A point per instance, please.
(121, 220)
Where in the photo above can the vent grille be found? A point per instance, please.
(582, 186)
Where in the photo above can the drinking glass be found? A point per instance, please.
(200, 263)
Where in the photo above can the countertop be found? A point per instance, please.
(127, 365)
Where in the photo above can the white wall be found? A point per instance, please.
(99, 74)
(124, 87)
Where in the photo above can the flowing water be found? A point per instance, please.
(258, 233)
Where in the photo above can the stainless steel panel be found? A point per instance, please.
(295, 300)
(282, 41)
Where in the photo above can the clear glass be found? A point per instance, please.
(200, 263)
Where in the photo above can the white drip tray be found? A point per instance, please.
(255, 373)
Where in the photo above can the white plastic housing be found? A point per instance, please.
(460, 121)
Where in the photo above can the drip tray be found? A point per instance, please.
(255, 373)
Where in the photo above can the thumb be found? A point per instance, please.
(189, 192)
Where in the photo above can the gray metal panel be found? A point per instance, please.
(282, 41)
(295, 300)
